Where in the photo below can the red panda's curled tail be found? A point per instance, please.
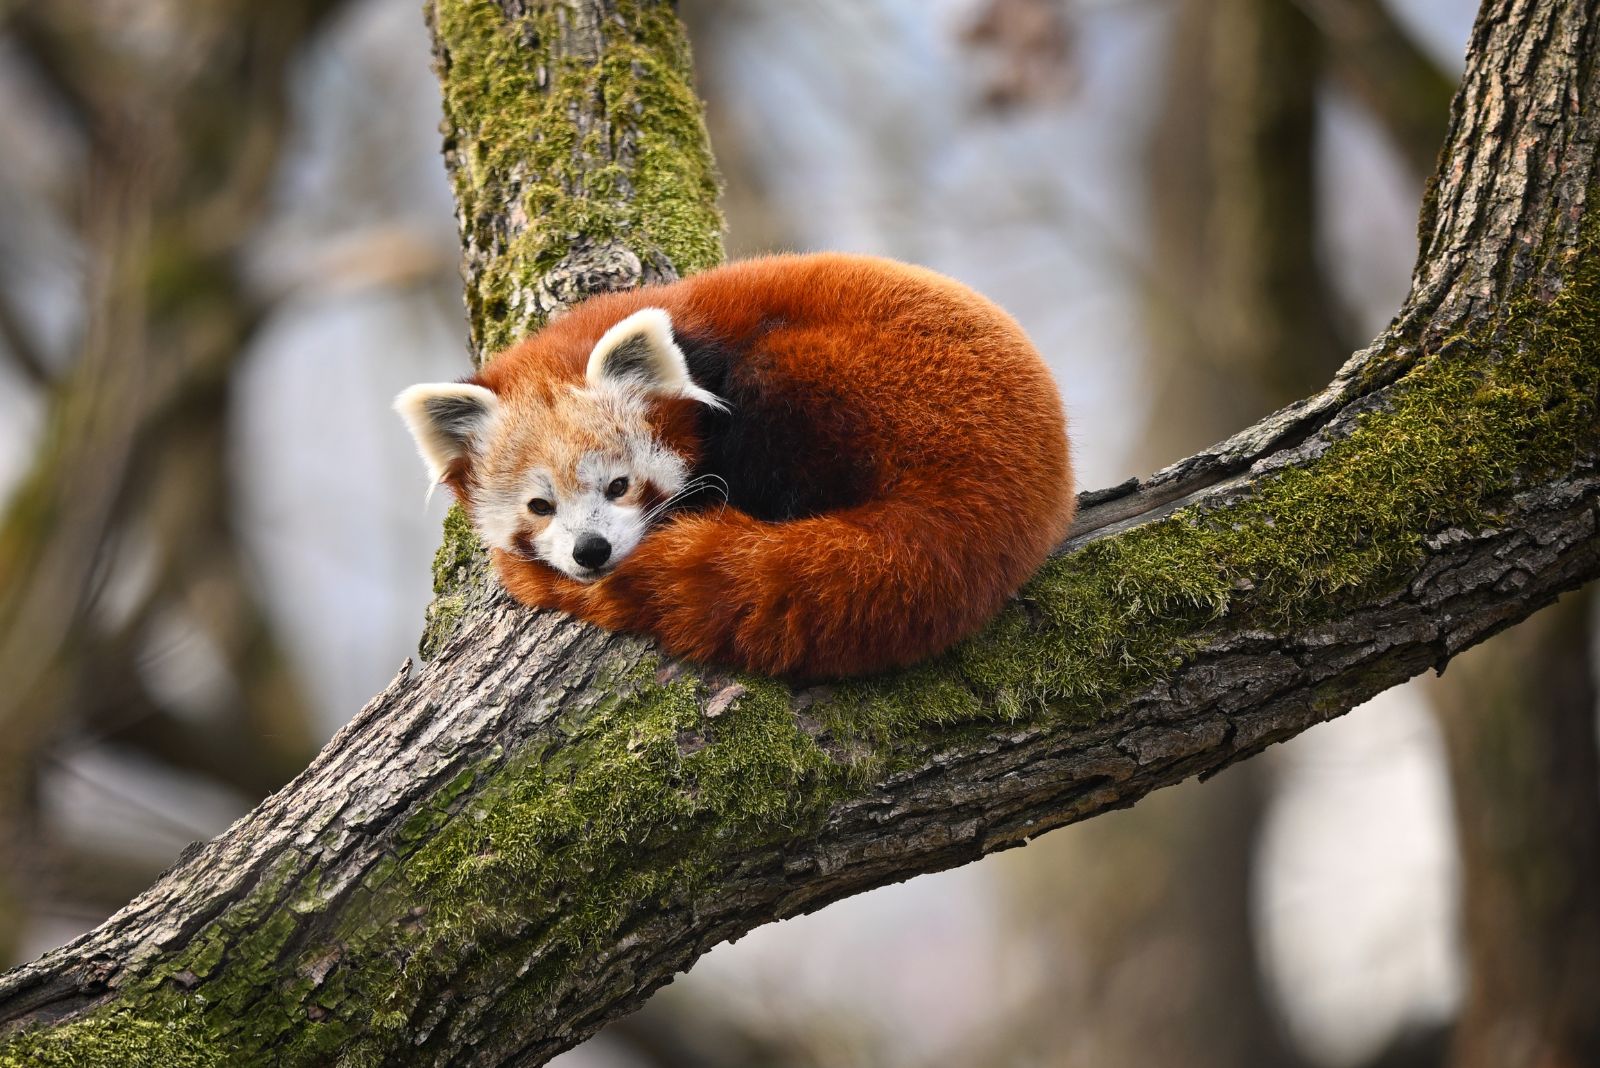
(883, 585)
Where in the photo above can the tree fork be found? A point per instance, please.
(521, 839)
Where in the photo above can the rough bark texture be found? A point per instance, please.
(523, 838)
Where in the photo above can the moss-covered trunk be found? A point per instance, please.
(523, 838)
(577, 150)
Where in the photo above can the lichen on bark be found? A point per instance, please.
(125, 1038)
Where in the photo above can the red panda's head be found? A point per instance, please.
(568, 473)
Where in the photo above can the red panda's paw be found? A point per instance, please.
(680, 586)
(532, 583)
(613, 603)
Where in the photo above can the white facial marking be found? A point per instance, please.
(503, 513)
(568, 454)
(589, 512)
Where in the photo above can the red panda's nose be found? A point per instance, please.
(591, 550)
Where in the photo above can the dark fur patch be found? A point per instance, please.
(455, 417)
(633, 358)
(650, 497)
(779, 460)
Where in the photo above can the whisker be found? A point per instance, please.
(708, 481)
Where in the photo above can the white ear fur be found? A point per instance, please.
(448, 419)
(640, 351)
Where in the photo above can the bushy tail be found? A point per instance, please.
(876, 587)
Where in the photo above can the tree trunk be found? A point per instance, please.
(1518, 715)
(523, 838)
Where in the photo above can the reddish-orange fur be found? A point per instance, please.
(947, 407)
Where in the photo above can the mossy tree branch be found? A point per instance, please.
(526, 836)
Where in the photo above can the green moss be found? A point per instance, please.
(1468, 424)
(460, 568)
(639, 171)
(457, 554)
(431, 816)
(640, 802)
(121, 1038)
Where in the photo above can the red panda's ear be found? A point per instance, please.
(448, 419)
(640, 352)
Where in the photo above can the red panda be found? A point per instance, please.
(808, 466)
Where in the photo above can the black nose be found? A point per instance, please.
(591, 550)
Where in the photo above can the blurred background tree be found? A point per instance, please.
(225, 241)
(120, 535)
(148, 152)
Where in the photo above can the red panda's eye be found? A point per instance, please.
(618, 487)
(540, 506)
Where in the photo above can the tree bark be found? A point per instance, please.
(1518, 714)
(526, 836)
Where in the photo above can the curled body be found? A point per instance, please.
(806, 466)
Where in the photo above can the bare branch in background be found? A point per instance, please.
(1518, 718)
(60, 58)
(182, 146)
(17, 343)
(1377, 60)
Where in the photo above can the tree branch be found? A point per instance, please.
(525, 837)
(16, 341)
(1375, 58)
